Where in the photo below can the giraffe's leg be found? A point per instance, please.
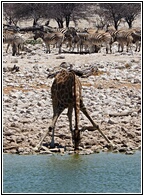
(51, 127)
(70, 110)
(84, 110)
(57, 111)
(75, 133)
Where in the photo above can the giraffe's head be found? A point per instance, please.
(76, 139)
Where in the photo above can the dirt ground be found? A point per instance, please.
(119, 78)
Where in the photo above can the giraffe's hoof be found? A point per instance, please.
(76, 151)
(52, 145)
(50, 128)
(110, 146)
(36, 148)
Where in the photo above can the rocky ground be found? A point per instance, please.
(112, 96)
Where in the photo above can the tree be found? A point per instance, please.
(29, 10)
(113, 12)
(9, 13)
(61, 12)
(130, 12)
(17, 11)
(57, 14)
(65, 12)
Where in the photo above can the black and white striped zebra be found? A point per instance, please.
(98, 39)
(15, 40)
(136, 35)
(68, 32)
(124, 37)
(50, 39)
(80, 41)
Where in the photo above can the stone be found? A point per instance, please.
(14, 60)
(55, 150)
(111, 122)
(122, 149)
(46, 152)
(62, 150)
(60, 57)
(129, 152)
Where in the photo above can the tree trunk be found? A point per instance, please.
(10, 21)
(130, 24)
(60, 23)
(116, 25)
(67, 20)
(35, 22)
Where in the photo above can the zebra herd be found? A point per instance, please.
(82, 40)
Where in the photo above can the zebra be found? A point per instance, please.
(123, 37)
(68, 32)
(50, 38)
(15, 40)
(83, 44)
(8, 38)
(136, 40)
(81, 41)
(80, 37)
(92, 39)
(99, 39)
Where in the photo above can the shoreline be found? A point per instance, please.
(85, 152)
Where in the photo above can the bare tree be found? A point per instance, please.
(30, 10)
(17, 11)
(9, 13)
(68, 11)
(57, 14)
(130, 12)
(61, 12)
(65, 12)
(113, 12)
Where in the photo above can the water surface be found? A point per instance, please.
(95, 173)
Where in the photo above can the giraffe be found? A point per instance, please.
(66, 93)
